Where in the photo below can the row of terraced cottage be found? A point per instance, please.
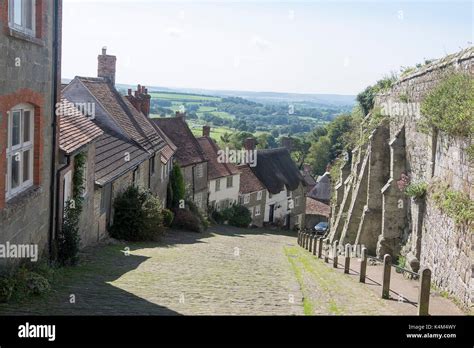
(124, 147)
(46, 128)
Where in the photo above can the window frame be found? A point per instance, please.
(231, 179)
(199, 170)
(22, 28)
(258, 210)
(21, 148)
(218, 185)
(259, 195)
(247, 198)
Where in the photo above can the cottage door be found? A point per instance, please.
(272, 213)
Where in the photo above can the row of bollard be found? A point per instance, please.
(314, 244)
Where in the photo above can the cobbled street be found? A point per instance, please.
(225, 271)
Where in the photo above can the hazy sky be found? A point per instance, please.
(299, 46)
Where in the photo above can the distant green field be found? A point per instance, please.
(183, 97)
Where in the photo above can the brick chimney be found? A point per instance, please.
(140, 99)
(206, 131)
(250, 144)
(287, 142)
(106, 66)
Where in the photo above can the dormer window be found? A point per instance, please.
(22, 16)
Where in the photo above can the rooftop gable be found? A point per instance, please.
(188, 149)
(215, 169)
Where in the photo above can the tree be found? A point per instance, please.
(319, 154)
(178, 187)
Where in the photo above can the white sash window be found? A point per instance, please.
(22, 16)
(20, 134)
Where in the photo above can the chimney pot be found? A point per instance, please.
(129, 91)
(104, 50)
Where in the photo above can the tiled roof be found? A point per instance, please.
(133, 122)
(170, 148)
(248, 181)
(314, 207)
(115, 155)
(277, 170)
(75, 129)
(188, 152)
(214, 168)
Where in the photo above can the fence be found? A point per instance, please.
(320, 247)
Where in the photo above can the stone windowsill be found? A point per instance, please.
(25, 37)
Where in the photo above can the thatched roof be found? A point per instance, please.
(276, 170)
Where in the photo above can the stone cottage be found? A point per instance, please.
(252, 194)
(30, 46)
(77, 135)
(142, 156)
(189, 156)
(285, 202)
(223, 178)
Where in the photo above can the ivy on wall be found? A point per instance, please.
(68, 236)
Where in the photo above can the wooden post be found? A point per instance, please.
(347, 263)
(298, 238)
(335, 254)
(315, 241)
(320, 247)
(305, 241)
(424, 297)
(363, 265)
(387, 267)
(311, 242)
(326, 250)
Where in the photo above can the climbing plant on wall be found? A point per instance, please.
(449, 107)
(68, 237)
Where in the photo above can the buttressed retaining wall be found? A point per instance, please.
(370, 206)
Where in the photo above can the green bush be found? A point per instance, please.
(68, 239)
(168, 217)
(7, 285)
(185, 219)
(448, 107)
(36, 283)
(416, 190)
(137, 216)
(218, 217)
(240, 216)
(196, 211)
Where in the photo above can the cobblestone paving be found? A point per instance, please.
(226, 271)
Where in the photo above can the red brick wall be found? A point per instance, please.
(7, 102)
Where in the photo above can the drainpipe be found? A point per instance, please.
(54, 100)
